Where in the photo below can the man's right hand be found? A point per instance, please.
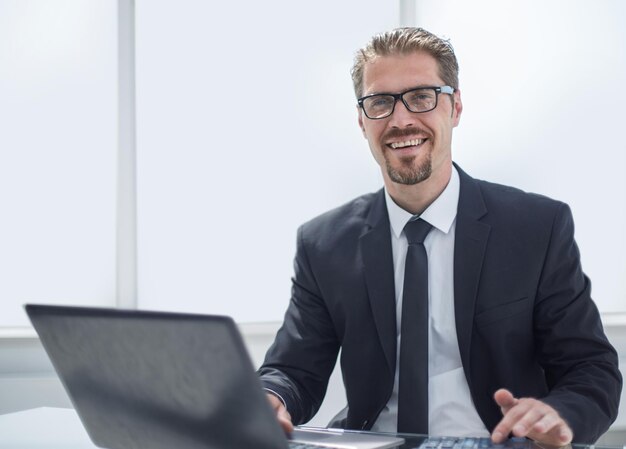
(284, 418)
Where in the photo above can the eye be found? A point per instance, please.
(379, 101)
(420, 96)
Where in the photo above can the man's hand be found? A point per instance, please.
(284, 418)
(527, 417)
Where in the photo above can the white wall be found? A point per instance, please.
(247, 127)
(222, 190)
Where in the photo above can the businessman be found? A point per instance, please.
(459, 305)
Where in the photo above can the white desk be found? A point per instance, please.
(39, 428)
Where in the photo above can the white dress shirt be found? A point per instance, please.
(451, 411)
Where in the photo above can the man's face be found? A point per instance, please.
(410, 147)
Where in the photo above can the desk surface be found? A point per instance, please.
(59, 428)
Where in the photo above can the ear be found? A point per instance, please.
(359, 112)
(457, 109)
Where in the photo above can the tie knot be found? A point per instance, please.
(417, 230)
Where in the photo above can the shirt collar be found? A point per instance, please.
(441, 213)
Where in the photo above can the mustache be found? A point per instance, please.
(404, 132)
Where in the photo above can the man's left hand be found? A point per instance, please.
(528, 417)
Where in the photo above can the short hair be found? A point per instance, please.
(404, 41)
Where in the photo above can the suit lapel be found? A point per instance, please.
(375, 245)
(471, 237)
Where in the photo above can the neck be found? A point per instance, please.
(416, 198)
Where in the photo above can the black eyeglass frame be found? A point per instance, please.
(400, 96)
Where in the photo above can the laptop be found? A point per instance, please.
(161, 380)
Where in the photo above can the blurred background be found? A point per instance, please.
(161, 155)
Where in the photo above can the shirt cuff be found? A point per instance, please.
(269, 390)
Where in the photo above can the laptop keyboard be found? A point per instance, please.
(473, 443)
(442, 443)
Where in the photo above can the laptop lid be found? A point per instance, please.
(160, 380)
(141, 379)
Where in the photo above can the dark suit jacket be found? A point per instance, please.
(524, 317)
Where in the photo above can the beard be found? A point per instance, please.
(408, 173)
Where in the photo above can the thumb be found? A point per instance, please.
(505, 399)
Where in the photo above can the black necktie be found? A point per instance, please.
(413, 382)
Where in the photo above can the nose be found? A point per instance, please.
(401, 117)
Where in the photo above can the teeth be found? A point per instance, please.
(408, 143)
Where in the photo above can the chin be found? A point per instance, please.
(409, 175)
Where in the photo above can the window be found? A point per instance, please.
(58, 153)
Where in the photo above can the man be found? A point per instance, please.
(514, 342)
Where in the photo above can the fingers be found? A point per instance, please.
(530, 418)
(283, 416)
(505, 399)
(554, 427)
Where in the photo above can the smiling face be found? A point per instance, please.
(410, 147)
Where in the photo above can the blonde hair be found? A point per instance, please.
(404, 41)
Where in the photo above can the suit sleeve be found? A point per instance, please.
(581, 367)
(299, 363)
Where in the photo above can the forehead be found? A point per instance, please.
(395, 73)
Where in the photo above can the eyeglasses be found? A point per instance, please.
(420, 99)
